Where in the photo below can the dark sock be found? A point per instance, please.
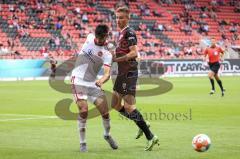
(220, 84)
(137, 117)
(123, 112)
(212, 83)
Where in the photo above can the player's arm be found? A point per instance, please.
(107, 61)
(113, 52)
(205, 55)
(131, 55)
(105, 76)
(132, 44)
(205, 58)
(222, 52)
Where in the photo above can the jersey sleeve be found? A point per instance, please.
(90, 37)
(220, 50)
(205, 52)
(131, 38)
(107, 59)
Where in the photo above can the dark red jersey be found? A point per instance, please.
(127, 38)
(53, 64)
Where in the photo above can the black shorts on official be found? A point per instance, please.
(126, 84)
(214, 67)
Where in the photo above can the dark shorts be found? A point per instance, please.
(214, 67)
(126, 84)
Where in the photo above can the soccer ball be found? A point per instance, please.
(201, 142)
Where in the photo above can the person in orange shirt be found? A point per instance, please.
(213, 55)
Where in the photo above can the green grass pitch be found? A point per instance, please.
(27, 132)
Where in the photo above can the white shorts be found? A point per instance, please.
(85, 90)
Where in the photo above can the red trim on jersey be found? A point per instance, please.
(107, 65)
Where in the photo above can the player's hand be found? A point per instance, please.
(205, 63)
(113, 53)
(114, 59)
(99, 83)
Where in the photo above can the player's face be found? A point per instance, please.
(101, 41)
(122, 19)
(213, 42)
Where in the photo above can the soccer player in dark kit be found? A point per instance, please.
(213, 56)
(125, 84)
(53, 66)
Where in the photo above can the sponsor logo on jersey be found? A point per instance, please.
(89, 54)
(100, 53)
(131, 38)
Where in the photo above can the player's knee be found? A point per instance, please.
(83, 109)
(82, 105)
(129, 108)
(210, 75)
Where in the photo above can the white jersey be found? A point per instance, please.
(90, 60)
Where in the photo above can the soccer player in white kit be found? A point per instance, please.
(86, 87)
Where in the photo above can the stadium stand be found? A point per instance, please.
(165, 28)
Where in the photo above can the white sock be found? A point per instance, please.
(106, 126)
(82, 129)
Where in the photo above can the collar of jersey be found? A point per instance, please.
(124, 28)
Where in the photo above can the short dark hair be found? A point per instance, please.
(101, 31)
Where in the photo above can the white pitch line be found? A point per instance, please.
(26, 115)
(18, 119)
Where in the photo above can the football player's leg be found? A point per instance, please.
(117, 104)
(211, 78)
(102, 106)
(116, 101)
(83, 113)
(219, 83)
(136, 116)
(129, 107)
(53, 73)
